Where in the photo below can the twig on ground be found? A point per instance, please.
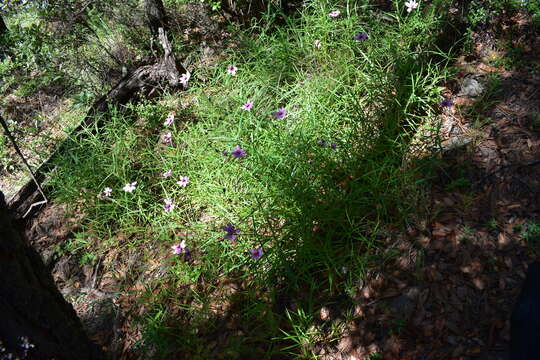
(18, 150)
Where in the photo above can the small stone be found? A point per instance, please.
(479, 283)
(324, 314)
(471, 87)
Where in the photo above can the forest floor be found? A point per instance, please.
(448, 288)
(43, 120)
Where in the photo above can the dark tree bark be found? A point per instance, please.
(156, 16)
(3, 41)
(34, 317)
(3, 26)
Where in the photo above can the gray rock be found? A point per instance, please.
(456, 142)
(471, 87)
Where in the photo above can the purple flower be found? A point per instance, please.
(166, 138)
(231, 232)
(130, 187)
(334, 13)
(169, 120)
(333, 146)
(280, 113)
(247, 106)
(166, 174)
(187, 255)
(360, 36)
(168, 206)
(179, 248)
(183, 181)
(321, 142)
(107, 192)
(446, 103)
(231, 70)
(238, 152)
(257, 253)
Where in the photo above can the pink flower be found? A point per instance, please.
(130, 187)
(170, 119)
(183, 181)
(231, 70)
(178, 249)
(334, 13)
(166, 174)
(247, 106)
(168, 206)
(166, 138)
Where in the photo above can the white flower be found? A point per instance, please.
(107, 192)
(166, 138)
(411, 5)
(231, 70)
(168, 206)
(317, 44)
(130, 187)
(184, 78)
(169, 120)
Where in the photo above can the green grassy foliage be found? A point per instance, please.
(313, 191)
(531, 234)
(49, 47)
(480, 12)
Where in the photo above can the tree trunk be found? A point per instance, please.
(3, 26)
(155, 14)
(36, 322)
(3, 41)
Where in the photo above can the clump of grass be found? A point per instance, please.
(294, 162)
(531, 233)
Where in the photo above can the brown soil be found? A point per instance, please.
(41, 124)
